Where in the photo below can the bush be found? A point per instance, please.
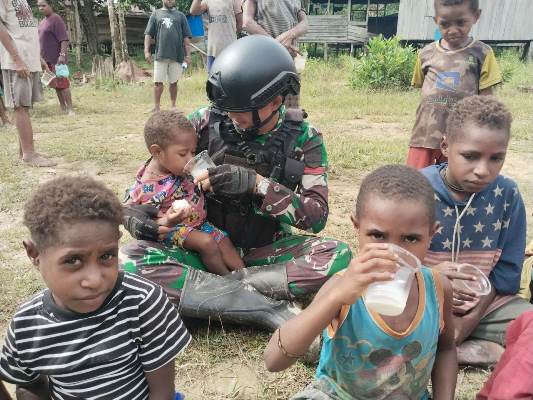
(385, 65)
(509, 62)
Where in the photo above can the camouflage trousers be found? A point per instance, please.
(309, 260)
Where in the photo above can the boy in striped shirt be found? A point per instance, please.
(94, 332)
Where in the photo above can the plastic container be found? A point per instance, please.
(62, 71)
(389, 298)
(480, 286)
(200, 163)
(47, 78)
(299, 62)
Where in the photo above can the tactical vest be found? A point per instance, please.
(274, 159)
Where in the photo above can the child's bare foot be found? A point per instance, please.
(479, 353)
(37, 160)
(70, 112)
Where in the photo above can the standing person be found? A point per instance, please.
(169, 29)
(367, 355)
(224, 23)
(54, 49)
(447, 70)
(270, 176)
(284, 20)
(21, 67)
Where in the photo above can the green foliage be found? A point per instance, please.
(509, 62)
(386, 65)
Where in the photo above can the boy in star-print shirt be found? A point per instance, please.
(482, 222)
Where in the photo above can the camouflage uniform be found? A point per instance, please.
(309, 260)
(446, 77)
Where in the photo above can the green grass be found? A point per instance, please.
(361, 129)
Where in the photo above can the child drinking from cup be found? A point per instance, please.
(163, 183)
(95, 332)
(366, 355)
(482, 222)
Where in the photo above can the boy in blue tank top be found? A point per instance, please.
(366, 355)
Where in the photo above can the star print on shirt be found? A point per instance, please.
(498, 191)
(447, 244)
(471, 210)
(497, 225)
(487, 242)
(467, 243)
(479, 227)
(489, 209)
(448, 211)
(505, 206)
(439, 229)
(506, 223)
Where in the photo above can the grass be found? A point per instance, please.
(362, 130)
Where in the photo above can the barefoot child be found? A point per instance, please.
(366, 355)
(94, 332)
(448, 70)
(171, 141)
(482, 222)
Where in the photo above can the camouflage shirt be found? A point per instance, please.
(307, 208)
(446, 76)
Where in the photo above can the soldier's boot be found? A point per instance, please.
(271, 280)
(205, 295)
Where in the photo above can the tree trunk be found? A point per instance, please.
(88, 22)
(115, 41)
(77, 27)
(122, 32)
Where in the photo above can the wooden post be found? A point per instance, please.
(114, 34)
(325, 51)
(327, 9)
(351, 49)
(122, 33)
(349, 11)
(530, 51)
(77, 27)
(367, 11)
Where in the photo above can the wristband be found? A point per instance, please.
(285, 352)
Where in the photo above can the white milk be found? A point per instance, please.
(389, 298)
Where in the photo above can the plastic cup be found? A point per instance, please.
(299, 62)
(480, 286)
(389, 298)
(200, 163)
(47, 78)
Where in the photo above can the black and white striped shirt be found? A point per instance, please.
(101, 355)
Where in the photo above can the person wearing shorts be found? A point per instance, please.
(168, 29)
(21, 68)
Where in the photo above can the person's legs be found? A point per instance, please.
(206, 246)
(174, 74)
(67, 100)
(61, 98)
(230, 255)
(200, 294)
(160, 76)
(485, 345)
(309, 261)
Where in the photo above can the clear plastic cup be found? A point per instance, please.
(47, 78)
(200, 163)
(299, 62)
(389, 298)
(480, 286)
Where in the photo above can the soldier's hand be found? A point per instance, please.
(230, 180)
(21, 68)
(140, 222)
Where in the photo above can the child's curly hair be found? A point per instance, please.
(481, 111)
(163, 126)
(396, 182)
(474, 4)
(65, 200)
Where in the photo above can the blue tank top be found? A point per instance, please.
(363, 358)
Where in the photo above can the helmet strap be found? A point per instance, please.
(253, 131)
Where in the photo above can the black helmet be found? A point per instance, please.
(250, 73)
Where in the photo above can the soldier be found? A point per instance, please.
(270, 176)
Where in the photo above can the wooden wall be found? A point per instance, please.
(501, 20)
(333, 29)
